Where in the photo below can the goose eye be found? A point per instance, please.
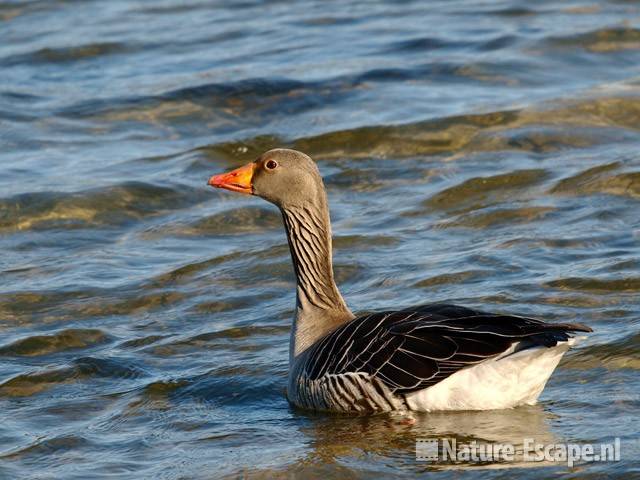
(271, 164)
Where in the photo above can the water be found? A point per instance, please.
(483, 153)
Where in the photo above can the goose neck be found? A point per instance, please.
(319, 305)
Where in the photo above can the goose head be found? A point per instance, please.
(292, 181)
(286, 178)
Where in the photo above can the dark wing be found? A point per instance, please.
(413, 349)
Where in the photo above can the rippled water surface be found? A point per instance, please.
(485, 153)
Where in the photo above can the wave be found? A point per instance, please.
(254, 98)
(33, 383)
(66, 55)
(479, 192)
(64, 340)
(616, 355)
(228, 222)
(600, 179)
(601, 119)
(597, 285)
(426, 44)
(604, 40)
(35, 308)
(116, 205)
(497, 217)
(509, 130)
(55, 445)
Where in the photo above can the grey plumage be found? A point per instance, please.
(379, 361)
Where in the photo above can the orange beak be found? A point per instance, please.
(238, 180)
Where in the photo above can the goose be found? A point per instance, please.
(431, 357)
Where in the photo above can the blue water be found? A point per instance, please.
(482, 153)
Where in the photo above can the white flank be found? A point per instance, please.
(506, 381)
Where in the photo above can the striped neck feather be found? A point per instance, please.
(319, 306)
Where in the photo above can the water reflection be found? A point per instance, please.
(337, 439)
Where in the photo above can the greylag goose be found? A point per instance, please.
(425, 358)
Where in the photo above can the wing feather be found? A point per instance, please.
(412, 349)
